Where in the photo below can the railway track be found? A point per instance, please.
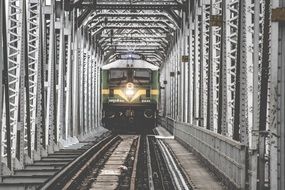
(122, 162)
(163, 171)
(108, 166)
(177, 174)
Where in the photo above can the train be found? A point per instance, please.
(130, 93)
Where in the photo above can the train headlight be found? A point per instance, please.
(130, 89)
(130, 92)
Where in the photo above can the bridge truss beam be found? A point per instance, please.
(220, 74)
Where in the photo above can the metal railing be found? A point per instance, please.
(167, 123)
(227, 158)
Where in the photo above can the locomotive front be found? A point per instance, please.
(130, 94)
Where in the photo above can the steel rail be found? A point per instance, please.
(178, 178)
(134, 172)
(149, 168)
(159, 160)
(66, 176)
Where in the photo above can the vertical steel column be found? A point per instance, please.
(86, 84)
(186, 64)
(96, 93)
(33, 29)
(2, 60)
(76, 79)
(1, 70)
(191, 64)
(240, 130)
(167, 87)
(39, 142)
(184, 71)
(89, 68)
(51, 135)
(227, 69)
(166, 90)
(179, 81)
(180, 74)
(97, 83)
(81, 82)
(85, 81)
(174, 96)
(196, 68)
(171, 84)
(213, 69)
(61, 77)
(246, 100)
(173, 68)
(281, 102)
(272, 121)
(98, 78)
(204, 61)
(264, 95)
(93, 80)
(14, 70)
(176, 78)
(45, 30)
(253, 130)
(275, 137)
(70, 61)
(101, 61)
(25, 119)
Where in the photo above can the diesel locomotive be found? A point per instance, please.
(130, 93)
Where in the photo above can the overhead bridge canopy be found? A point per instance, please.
(144, 27)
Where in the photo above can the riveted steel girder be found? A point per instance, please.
(139, 16)
(131, 36)
(137, 27)
(126, 5)
(150, 22)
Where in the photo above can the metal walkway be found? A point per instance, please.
(222, 77)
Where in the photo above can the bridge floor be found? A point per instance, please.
(198, 174)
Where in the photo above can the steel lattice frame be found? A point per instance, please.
(215, 49)
(34, 63)
(15, 68)
(204, 64)
(233, 86)
(52, 73)
(196, 63)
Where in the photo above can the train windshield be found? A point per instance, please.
(142, 76)
(121, 76)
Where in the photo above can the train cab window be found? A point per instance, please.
(121, 76)
(117, 76)
(142, 76)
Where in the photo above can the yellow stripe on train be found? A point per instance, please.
(105, 91)
(154, 92)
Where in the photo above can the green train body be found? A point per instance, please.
(130, 94)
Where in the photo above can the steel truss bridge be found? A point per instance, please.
(221, 65)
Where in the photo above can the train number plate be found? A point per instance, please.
(145, 101)
(116, 100)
